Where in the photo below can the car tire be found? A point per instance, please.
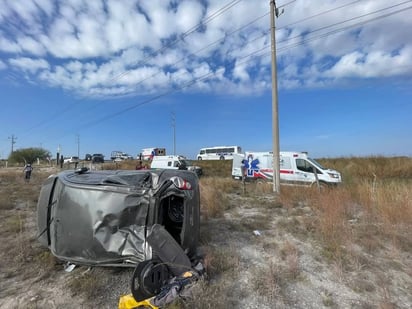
(148, 278)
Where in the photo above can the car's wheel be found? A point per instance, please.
(148, 278)
(261, 181)
(199, 158)
(222, 158)
(323, 186)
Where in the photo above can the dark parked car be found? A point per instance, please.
(120, 218)
(97, 158)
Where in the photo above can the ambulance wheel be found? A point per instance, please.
(323, 186)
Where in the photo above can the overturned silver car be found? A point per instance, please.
(120, 218)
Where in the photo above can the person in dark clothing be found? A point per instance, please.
(27, 172)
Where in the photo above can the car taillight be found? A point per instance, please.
(182, 184)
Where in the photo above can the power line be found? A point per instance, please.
(343, 28)
(243, 27)
(206, 47)
(360, 16)
(60, 113)
(188, 32)
(319, 14)
(205, 21)
(247, 58)
(322, 28)
(333, 31)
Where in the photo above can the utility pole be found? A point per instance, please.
(275, 116)
(174, 132)
(58, 155)
(78, 145)
(13, 141)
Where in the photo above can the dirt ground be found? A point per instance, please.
(271, 262)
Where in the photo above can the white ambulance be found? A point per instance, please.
(149, 153)
(174, 162)
(295, 168)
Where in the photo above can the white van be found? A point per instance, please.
(295, 168)
(174, 162)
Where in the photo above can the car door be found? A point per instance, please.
(304, 171)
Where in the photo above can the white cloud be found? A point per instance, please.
(29, 64)
(371, 65)
(47, 6)
(240, 72)
(31, 45)
(108, 46)
(9, 46)
(188, 15)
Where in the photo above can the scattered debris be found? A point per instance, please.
(178, 286)
(68, 267)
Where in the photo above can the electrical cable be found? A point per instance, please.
(184, 35)
(243, 27)
(188, 32)
(284, 48)
(322, 28)
(209, 74)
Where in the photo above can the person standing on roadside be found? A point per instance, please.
(27, 172)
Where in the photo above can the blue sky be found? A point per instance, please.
(96, 76)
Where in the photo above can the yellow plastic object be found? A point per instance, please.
(187, 274)
(128, 302)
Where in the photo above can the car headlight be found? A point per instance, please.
(332, 175)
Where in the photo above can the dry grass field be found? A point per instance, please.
(347, 247)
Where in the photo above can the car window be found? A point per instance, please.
(304, 165)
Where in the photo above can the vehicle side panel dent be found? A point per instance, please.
(114, 229)
(123, 233)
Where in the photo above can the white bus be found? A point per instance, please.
(218, 152)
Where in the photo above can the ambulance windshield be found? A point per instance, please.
(316, 163)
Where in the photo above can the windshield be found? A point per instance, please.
(316, 163)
